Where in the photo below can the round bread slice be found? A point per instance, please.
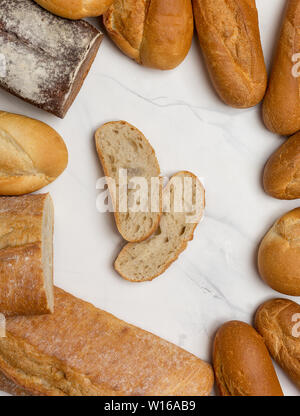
(183, 208)
(126, 157)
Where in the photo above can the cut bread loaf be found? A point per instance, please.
(32, 154)
(80, 350)
(75, 9)
(282, 172)
(140, 262)
(26, 255)
(124, 149)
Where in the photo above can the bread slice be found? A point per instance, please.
(26, 255)
(139, 262)
(80, 350)
(121, 146)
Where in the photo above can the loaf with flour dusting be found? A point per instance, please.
(46, 57)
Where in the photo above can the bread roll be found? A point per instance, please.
(75, 9)
(229, 37)
(281, 107)
(26, 255)
(278, 322)
(282, 172)
(242, 363)
(157, 34)
(81, 351)
(32, 154)
(279, 255)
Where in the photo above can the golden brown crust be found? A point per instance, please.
(75, 9)
(32, 154)
(277, 321)
(281, 107)
(156, 33)
(22, 276)
(81, 350)
(229, 37)
(242, 363)
(279, 255)
(282, 171)
(10, 387)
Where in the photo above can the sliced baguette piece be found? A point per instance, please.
(121, 146)
(140, 262)
(26, 255)
(80, 350)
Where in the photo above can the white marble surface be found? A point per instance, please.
(215, 279)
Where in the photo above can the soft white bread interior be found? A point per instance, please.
(75, 9)
(123, 148)
(139, 262)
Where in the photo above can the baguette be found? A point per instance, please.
(32, 154)
(26, 255)
(281, 107)
(229, 37)
(278, 323)
(75, 9)
(47, 58)
(282, 172)
(279, 255)
(81, 351)
(121, 146)
(140, 262)
(242, 363)
(156, 33)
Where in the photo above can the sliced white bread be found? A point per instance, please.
(140, 262)
(121, 146)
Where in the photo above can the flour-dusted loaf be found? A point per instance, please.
(282, 172)
(281, 107)
(229, 37)
(123, 148)
(81, 351)
(140, 262)
(47, 58)
(75, 9)
(278, 322)
(279, 255)
(242, 364)
(32, 154)
(155, 33)
(26, 255)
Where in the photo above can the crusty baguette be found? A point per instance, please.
(140, 262)
(26, 255)
(32, 154)
(229, 37)
(242, 363)
(279, 255)
(281, 107)
(278, 323)
(282, 172)
(75, 9)
(80, 350)
(156, 33)
(121, 146)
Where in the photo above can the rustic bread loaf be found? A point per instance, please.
(124, 149)
(32, 154)
(242, 363)
(81, 351)
(47, 57)
(278, 322)
(279, 255)
(26, 255)
(282, 172)
(75, 9)
(156, 33)
(139, 262)
(281, 107)
(229, 37)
